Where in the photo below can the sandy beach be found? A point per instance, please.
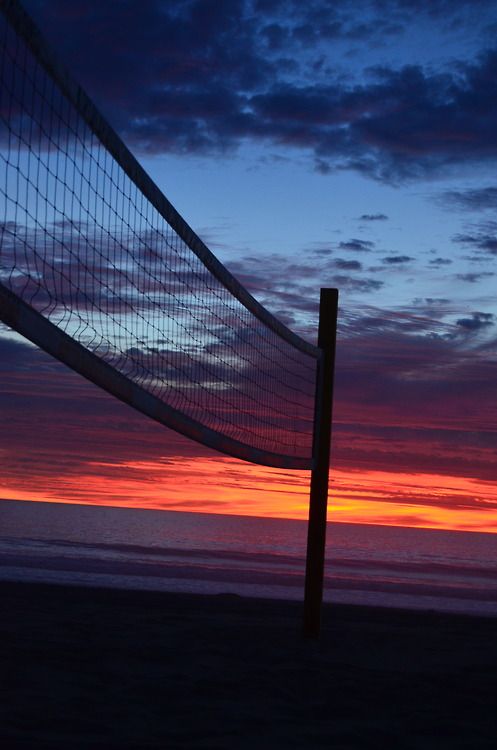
(96, 668)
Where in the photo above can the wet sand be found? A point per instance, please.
(96, 668)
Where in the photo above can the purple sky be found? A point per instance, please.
(349, 144)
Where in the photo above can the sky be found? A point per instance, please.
(345, 144)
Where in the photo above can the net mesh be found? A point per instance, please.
(83, 245)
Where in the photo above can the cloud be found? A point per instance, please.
(406, 400)
(484, 240)
(409, 398)
(477, 321)
(351, 283)
(439, 262)
(347, 265)
(373, 217)
(476, 199)
(472, 278)
(202, 78)
(290, 289)
(60, 423)
(362, 246)
(436, 300)
(17, 355)
(396, 260)
(166, 324)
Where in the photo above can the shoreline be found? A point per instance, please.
(102, 668)
(349, 593)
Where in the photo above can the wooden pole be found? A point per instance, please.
(316, 535)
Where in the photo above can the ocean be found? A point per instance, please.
(259, 557)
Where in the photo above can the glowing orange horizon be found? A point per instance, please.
(224, 485)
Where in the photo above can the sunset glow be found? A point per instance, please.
(224, 485)
(307, 150)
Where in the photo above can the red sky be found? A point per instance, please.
(68, 441)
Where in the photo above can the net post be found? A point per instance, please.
(316, 534)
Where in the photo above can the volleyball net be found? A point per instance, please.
(99, 269)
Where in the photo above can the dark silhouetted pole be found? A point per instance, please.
(316, 535)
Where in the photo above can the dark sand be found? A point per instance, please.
(95, 668)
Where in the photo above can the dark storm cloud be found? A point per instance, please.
(202, 77)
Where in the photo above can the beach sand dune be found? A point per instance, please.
(96, 668)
